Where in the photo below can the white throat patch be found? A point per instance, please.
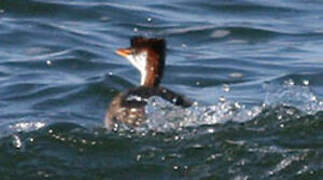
(140, 62)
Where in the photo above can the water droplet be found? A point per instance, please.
(210, 130)
(115, 127)
(197, 83)
(176, 138)
(236, 75)
(213, 156)
(135, 29)
(314, 98)
(222, 99)
(175, 168)
(143, 133)
(174, 100)
(282, 125)
(226, 88)
(110, 73)
(1, 11)
(17, 142)
(39, 125)
(184, 45)
(237, 105)
(306, 82)
(138, 157)
(48, 62)
(289, 82)
(149, 19)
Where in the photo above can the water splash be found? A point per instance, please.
(290, 94)
(26, 126)
(164, 116)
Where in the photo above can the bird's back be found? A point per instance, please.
(129, 107)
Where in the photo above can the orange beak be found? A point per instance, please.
(123, 52)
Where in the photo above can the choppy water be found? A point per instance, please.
(254, 68)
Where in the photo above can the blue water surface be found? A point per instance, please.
(253, 67)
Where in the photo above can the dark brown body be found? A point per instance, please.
(129, 107)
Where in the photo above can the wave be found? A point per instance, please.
(288, 99)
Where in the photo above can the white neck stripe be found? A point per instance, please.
(140, 62)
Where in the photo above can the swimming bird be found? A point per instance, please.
(147, 55)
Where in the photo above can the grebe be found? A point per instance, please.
(148, 56)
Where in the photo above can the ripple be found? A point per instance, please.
(254, 69)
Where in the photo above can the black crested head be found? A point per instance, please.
(156, 44)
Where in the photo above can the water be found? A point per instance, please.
(254, 69)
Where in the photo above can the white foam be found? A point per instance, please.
(164, 116)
